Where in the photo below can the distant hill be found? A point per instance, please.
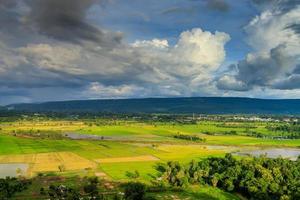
(198, 105)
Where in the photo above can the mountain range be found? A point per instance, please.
(185, 105)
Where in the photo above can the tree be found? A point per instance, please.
(134, 191)
(19, 171)
(175, 174)
(215, 179)
(91, 188)
(133, 175)
(61, 168)
(63, 192)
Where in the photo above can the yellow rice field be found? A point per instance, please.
(45, 162)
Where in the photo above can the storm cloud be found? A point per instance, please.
(66, 20)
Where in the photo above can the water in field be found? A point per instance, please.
(13, 170)
(77, 136)
(291, 154)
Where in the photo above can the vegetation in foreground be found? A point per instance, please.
(254, 178)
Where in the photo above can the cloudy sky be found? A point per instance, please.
(90, 49)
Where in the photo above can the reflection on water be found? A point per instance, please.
(291, 154)
(15, 169)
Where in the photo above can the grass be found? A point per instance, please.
(186, 153)
(117, 171)
(251, 141)
(196, 192)
(193, 192)
(88, 149)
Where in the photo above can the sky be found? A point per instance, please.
(53, 50)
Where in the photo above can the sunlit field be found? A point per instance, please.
(127, 147)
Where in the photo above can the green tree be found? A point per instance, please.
(134, 191)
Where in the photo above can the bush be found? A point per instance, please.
(42, 191)
(134, 191)
(10, 186)
(92, 186)
(133, 175)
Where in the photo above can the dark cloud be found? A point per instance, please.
(297, 70)
(259, 2)
(5, 91)
(29, 77)
(258, 71)
(66, 20)
(288, 5)
(219, 5)
(178, 9)
(262, 70)
(295, 28)
(8, 3)
(292, 82)
(199, 6)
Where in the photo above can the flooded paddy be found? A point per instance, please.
(288, 153)
(13, 169)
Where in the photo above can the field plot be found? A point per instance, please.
(184, 153)
(37, 126)
(117, 171)
(51, 162)
(26, 158)
(127, 159)
(44, 162)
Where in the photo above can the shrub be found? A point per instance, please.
(134, 191)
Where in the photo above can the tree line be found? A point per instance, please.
(256, 178)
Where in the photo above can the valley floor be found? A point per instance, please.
(125, 147)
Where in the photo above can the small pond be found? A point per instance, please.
(12, 169)
(289, 153)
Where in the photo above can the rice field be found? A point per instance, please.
(50, 162)
(132, 147)
(137, 145)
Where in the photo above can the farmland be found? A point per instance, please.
(123, 147)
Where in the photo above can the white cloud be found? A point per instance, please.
(154, 43)
(271, 28)
(194, 58)
(201, 47)
(98, 90)
(228, 82)
(144, 68)
(276, 55)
